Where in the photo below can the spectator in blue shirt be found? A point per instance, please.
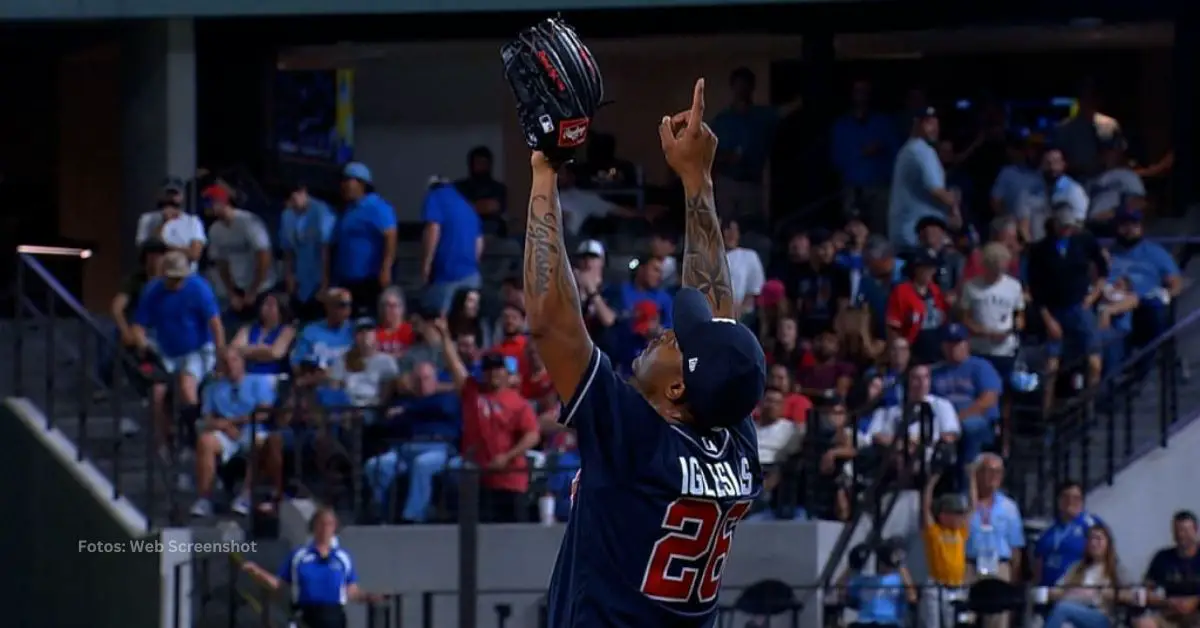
(1152, 271)
(306, 230)
(321, 575)
(365, 240)
(450, 246)
(321, 343)
(864, 149)
(1063, 544)
(430, 421)
(178, 315)
(972, 385)
(918, 183)
(645, 285)
(996, 525)
(231, 427)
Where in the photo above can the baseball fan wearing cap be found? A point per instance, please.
(944, 531)
(674, 445)
(179, 230)
(919, 182)
(364, 239)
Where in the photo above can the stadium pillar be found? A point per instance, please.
(1185, 131)
(158, 115)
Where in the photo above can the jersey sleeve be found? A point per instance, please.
(606, 413)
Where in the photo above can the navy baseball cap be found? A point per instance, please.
(724, 369)
(954, 333)
(1126, 214)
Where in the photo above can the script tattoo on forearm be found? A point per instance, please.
(541, 245)
(549, 285)
(705, 267)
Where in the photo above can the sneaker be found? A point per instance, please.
(241, 505)
(202, 508)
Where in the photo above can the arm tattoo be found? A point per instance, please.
(542, 245)
(705, 267)
(549, 284)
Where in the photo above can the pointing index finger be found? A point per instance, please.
(696, 115)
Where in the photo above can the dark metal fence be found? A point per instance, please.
(83, 381)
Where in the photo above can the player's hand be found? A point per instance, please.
(687, 142)
(575, 486)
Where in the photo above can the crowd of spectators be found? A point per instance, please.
(314, 339)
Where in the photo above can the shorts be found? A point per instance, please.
(198, 363)
(230, 448)
(1080, 336)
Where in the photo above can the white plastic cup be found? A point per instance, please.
(546, 510)
(1041, 595)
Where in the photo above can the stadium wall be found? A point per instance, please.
(463, 102)
(82, 556)
(412, 560)
(1139, 504)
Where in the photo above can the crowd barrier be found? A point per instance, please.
(857, 599)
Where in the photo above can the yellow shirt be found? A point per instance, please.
(946, 554)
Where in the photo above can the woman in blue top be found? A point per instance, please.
(264, 344)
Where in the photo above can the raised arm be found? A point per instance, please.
(551, 298)
(689, 146)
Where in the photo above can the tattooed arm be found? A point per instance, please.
(551, 298)
(705, 266)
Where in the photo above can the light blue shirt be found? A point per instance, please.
(1147, 264)
(917, 174)
(1008, 529)
(304, 234)
(1111, 188)
(227, 399)
(321, 344)
(1014, 185)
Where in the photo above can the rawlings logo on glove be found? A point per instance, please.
(557, 86)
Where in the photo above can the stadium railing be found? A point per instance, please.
(1092, 436)
(770, 601)
(59, 369)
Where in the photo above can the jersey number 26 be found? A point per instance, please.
(686, 565)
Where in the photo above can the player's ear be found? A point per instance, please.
(674, 392)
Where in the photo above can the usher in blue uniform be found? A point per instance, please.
(654, 516)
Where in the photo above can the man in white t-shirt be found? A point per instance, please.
(775, 433)
(745, 268)
(993, 310)
(179, 230)
(1118, 186)
(941, 423)
(240, 247)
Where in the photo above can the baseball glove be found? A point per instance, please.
(557, 85)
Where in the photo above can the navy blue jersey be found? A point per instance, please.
(655, 512)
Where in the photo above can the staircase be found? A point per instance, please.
(1092, 438)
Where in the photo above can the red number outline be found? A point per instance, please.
(699, 557)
